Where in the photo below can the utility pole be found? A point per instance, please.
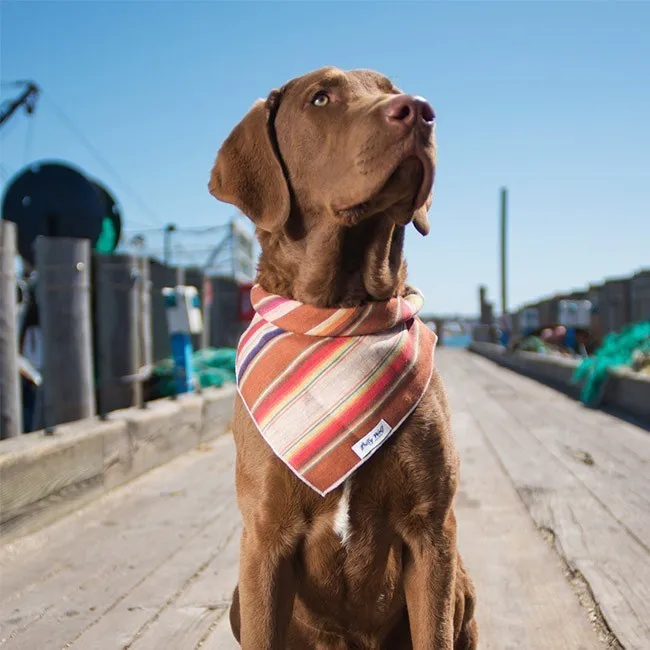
(169, 229)
(504, 226)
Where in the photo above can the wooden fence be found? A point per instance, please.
(100, 324)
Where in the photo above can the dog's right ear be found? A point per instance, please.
(248, 173)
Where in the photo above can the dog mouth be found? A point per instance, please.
(410, 178)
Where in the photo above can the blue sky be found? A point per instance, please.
(551, 99)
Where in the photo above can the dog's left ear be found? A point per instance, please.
(421, 217)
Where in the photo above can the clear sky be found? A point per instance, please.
(551, 99)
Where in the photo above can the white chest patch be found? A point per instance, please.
(342, 515)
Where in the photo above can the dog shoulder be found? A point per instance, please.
(425, 465)
(427, 433)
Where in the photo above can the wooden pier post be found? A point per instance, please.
(63, 289)
(11, 421)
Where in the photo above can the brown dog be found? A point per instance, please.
(331, 168)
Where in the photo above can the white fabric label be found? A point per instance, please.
(374, 438)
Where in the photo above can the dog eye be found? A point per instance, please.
(320, 99)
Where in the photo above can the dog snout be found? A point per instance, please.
(409, 110)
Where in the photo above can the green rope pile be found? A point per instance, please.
(213, 367)
(532, 344)
(618, 349)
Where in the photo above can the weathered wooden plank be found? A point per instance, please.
(591, 540)
(213, 587)
(106, 551)
(632, 438)
(153, 563)
(36, 466)
(524, 600)
(43, 478)
(11, 417)
(211, 591)
(139, 613)
(590, 446)
(220, 636)
(198, 617)
(179, 627)
(155, 436)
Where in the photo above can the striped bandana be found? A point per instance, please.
(327, 387)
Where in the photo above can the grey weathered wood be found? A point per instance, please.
(153, 610)
(179, 628)
(153, 563)
(141, 330)
(44, 477)
(624, 390)
(593, 542)
(485, 373)
(136, 325)
(220, 636)
(610, 459)
(114, 288)
(122, 560)
(51, 473)
(63, 267)
(145, 308)
(213, 587)
(505, 554)
(11, 421)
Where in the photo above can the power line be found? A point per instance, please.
(201, 230)
(190, 230)
(100, 158)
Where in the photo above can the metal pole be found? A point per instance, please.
(504, 252)
(146, 341)
(233, 247)
(167, 235)
(10, 402)
(63, 267)
(206, 306)
(136, 328)
(145, 303)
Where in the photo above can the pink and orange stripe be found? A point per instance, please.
(318, 381)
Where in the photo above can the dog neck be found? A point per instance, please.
(335, 265)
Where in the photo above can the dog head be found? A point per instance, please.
(328, 151)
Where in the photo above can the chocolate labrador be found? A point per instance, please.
(331, 168)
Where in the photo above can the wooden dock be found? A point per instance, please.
(554, 525)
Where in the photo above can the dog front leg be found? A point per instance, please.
(430, 585)
(266, 592)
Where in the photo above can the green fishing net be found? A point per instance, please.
(618, 349)
(213, 367)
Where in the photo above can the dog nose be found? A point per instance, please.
(409, 110)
